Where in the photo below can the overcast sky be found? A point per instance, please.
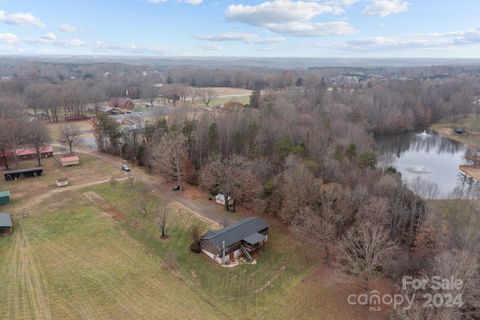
(277, 28)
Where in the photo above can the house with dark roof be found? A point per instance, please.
(121, 103)
(6, 224)
(241, 239)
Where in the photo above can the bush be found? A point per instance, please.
(195, 247)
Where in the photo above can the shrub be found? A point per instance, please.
(195, 247)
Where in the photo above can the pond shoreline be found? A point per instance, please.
(448, 133)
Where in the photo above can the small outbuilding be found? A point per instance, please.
(220, 199)
(69, 161)
(6, 224)
(4, 197)
(242, 238)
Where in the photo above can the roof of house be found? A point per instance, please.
(69, 158)
(244, 229)
(5, 220)
(32, 151)
(254, 238)
(27, 151)
(122, 103)
(4, 194)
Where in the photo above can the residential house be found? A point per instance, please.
(241, 239)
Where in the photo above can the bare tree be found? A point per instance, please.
(233, 177)
(71, 136)
(143, 192)
(13, 135)
(365, 249)
(169, 156)
(37, 136)
(163, 215)
(207, 95)
(10, 107)
(149, 92)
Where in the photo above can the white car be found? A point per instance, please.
(125, 168)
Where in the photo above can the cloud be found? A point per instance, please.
(277, 11)
(8, 38)
(194, 2)
(68, 28)
(385, 8)
(415, 41)
(21, 19)
(72, 43)
(313, 29)
(103, 47)
(50, 36)
(211, 47)
(293, 18)
(244, 37)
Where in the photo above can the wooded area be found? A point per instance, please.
(301, 151)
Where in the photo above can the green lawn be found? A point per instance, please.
(446, 127)
(248, 290)
(75, 264)
(73, 261)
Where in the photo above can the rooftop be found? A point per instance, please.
(4, 194)
(69, 158)
(5, 220)
(244, 229)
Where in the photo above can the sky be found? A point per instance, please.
(242, 28)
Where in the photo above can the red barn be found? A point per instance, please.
(121, 103)
(70, 161)
(26, 154)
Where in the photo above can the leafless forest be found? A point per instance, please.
(302, 151)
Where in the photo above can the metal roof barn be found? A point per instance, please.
(5, 224)
(4, 197)
(236, 232)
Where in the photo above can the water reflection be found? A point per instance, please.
(429, 164)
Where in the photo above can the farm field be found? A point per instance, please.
(247, 291)
(90, 169)
(92, 253)
(74, 264)
(55, 129)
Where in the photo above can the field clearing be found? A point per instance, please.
(227, 91)
(74, 264)
(471, 137)
(90, 169)
(55, 128)
(248, 291)
(72, 260)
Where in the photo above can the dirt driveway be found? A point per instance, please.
(191, 198)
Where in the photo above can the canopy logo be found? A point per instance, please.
(434, 292)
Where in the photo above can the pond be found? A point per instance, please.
(429, 164)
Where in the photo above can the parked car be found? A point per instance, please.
(125, 168)
(176, 188)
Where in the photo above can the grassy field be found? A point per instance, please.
(90, 253)
(74, 264)
(247, 291)
(55, 129)
(446, 128)
(90, 169)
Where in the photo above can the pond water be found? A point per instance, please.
(429, 164)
